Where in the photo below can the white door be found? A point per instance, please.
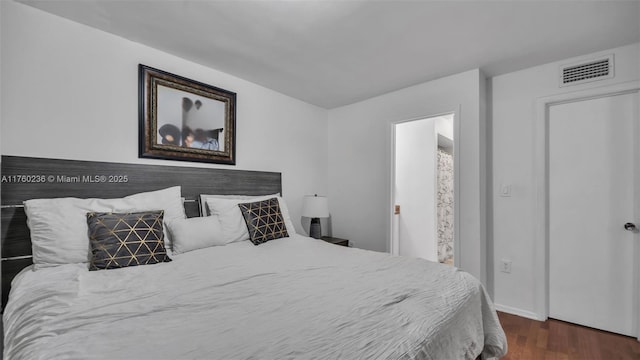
(591, 197)
(415, 188)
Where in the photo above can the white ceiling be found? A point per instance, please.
(333, 53)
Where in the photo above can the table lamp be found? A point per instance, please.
(315, 207)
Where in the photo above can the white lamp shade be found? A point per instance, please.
(314, 206)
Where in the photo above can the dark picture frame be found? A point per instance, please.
(183, 119)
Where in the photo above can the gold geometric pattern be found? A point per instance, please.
(126, 239)
(264, 220)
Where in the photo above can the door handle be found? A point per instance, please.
(630, 227)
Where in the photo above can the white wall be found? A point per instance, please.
(444, 126)
(70, 91)
(415, 188)
(360, 162)
(1, 82)
(513, 118)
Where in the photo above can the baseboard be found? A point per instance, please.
(519, 312)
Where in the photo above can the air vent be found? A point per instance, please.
(578, 73)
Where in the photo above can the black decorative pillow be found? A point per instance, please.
(127, 239)
(264, 220)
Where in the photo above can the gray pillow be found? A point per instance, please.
(264, 220)
(119, 240)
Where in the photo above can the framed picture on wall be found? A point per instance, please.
(183, 119)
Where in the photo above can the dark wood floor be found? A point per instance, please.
(558, 340)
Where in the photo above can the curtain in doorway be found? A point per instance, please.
(445, 207)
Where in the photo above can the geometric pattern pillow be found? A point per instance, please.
(128, 239)
(264, 220)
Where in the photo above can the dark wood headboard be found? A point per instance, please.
(25, 178)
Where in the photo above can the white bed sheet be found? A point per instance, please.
(291, 298)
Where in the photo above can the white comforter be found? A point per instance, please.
(293, 298)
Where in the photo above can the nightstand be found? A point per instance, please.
(337, 241)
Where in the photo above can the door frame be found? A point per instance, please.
(541, 181)
(393, 228)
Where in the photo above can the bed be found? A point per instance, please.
(291, 297)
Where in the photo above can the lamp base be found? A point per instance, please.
(314, 229)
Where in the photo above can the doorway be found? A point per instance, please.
(423, 188)
(591, 171)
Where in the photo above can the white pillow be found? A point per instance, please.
(204, 209)
(59, 230)
(233, 225)
(195, 233)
